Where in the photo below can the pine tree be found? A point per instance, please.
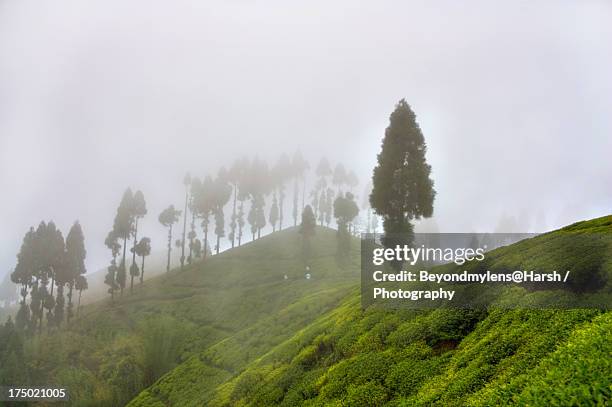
(402, 188)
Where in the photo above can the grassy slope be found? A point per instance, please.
(236, 306)
(348, 357)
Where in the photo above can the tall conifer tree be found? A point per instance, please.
(402, 188)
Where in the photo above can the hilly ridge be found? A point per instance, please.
(446, 357)
(236, 305)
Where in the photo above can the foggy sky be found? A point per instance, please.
(514, 99)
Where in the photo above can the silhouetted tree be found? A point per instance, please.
(204, 204)
(123, 228)
(234, 177)
(196, 185)
(54, 250)
(243, 195)
(402, 188)
(307, 230)
(283, 174)
(221, 195)
(187, 184)
(323, 171)
(110, 279)
(329, 206)
(197, 248)
(274, 213)
(299, 166)
(258, 185)
(321, 204)
(168, 217)
(75, 260)
(143, 249)
(80, 284)
(24, 274)
(139, 210)
(345, 210)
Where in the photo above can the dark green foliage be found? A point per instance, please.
(445, 357)
(162, 343)
(14, 369)
(402, 188)
(45, 263)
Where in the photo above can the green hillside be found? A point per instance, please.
(236, 305)
(445, 357)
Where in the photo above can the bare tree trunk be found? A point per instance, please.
(184, 229)
(142, 270)
(133, 255)
(69, 303)
(79, 303)
(169, 248)
(191, 236)
(123, 262)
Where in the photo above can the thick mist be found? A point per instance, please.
(514, 100)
